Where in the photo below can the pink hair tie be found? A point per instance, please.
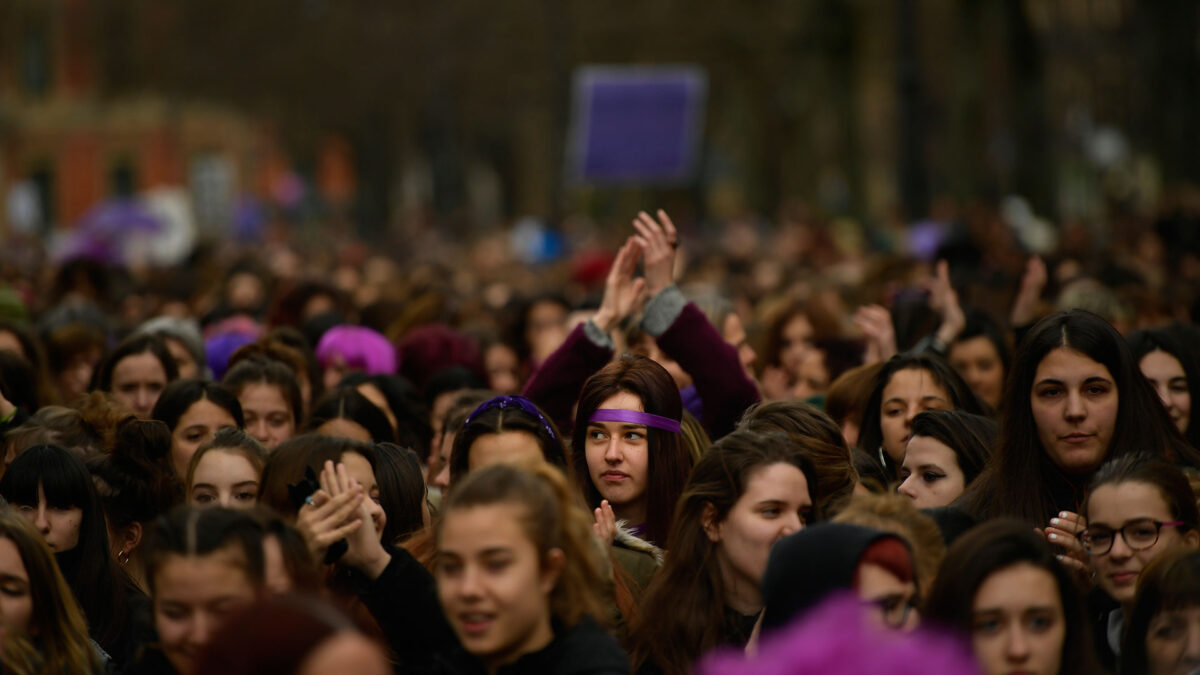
(635, 417)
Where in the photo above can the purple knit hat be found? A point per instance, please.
(360, 348)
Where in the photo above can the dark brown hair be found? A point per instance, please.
(683, 613)
(669, 459)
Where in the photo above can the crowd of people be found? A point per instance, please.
(675, 457)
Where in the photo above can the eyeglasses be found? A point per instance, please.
(1138, 534)
(894, 608)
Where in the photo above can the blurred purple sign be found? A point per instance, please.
(635, 123)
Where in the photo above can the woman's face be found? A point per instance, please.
(360, 470)
(977, 360)
(908, 392)
(59, 526)
(137, 380)
(813, 376)
(775, 504)
(797, 336)
(1166, 375)
(74, 378)
(1131, 505)
(503, 369)
(493, 585)
(196, 425)
(506, 446)
(269, 417)
(184, 362)
(192, 597)
(1074, 404)
(930, 475)
(16, 597)
(1173, 642)
(618, 459)
(224, 478)
(1017, 622)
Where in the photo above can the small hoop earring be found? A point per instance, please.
(123, 557)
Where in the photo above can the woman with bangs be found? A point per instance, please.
(51, 488)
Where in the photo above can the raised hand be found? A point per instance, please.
(606, 523)
(325, 519)
(621, 290)
(659, 241)
(944, 300)
(875, 322)
(1025, 306)
(364, 551)
(1063, 532)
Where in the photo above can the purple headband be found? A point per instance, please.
(521, 402)
(635, 417)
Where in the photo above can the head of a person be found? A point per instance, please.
(289, 347)
(136, 483)
(37, 606)
(270, 398)
(747, 493)
(73, 351)
(194, 410)
(1137, 507)
(806, 567)
(52, 488)
(402, 492)
(346, 413)
(525, 516)
(721, 313)
(136, 372)
(825, 362)
(907, 385)
(1162, 635)
(226, 471)
(183, 339)
(201, 565)
(893, 513)
(947, 450)
(1003, 589)
(790, 335)
(347, 348)
(981, 356)
(307, 454)
(847, 399)
(820, 439)
(1077, 398)
(626, 444)
(1171, 371)
(461, 405)
(291, 634)
(506, 429)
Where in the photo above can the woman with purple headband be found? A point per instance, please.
(505, 429)
(627, 446)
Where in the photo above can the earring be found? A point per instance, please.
(123, 557)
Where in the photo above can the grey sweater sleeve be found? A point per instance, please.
(662, 310)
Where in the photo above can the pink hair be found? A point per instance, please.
(837, 638)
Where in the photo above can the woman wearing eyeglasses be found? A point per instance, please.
(1137, 508)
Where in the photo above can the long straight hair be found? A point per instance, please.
(56, 622)
(99, 586)
(995, 546)
(1167, 340)
(870, 435)
(683, 613)
(1020, 480)
(669, 460)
